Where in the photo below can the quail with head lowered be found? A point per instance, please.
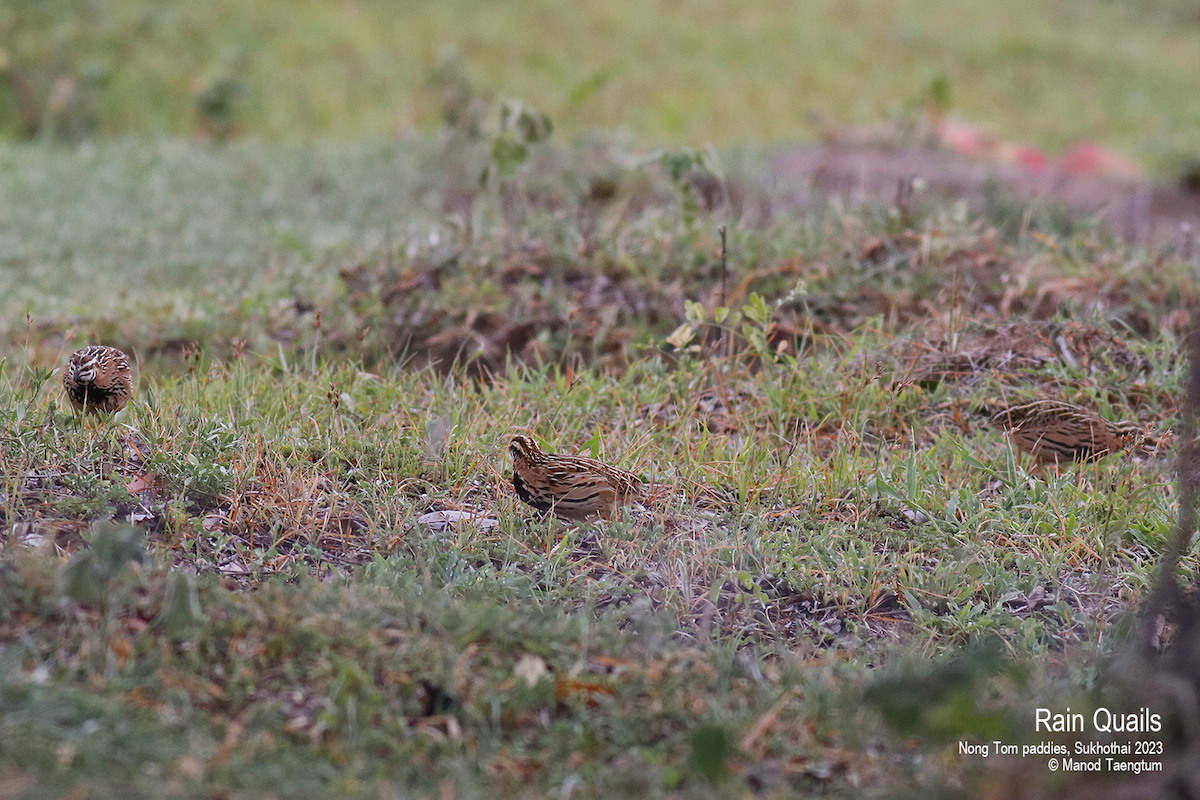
(1058, 432)
(97, 380)
(572, 488)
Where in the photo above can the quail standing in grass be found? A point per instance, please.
(1057, 432)
(97, 380)
(571, 487)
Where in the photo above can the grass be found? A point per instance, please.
(827, 507)
(305, 687)
(841, 570)
(1046, 71)
(385, 684)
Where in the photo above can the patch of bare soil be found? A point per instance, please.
(1011, 348)
(1138, 211)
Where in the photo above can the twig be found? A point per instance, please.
(728, 334)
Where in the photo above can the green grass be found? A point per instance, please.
(325, 355)
(841, 570)
(302, 687)
(163, 244)
(1044, 71)
(381, 684)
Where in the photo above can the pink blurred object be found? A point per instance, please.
(966, 138)
(1026, 156)
(978, 141)
(1090, 158)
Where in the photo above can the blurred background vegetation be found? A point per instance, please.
(666, 71)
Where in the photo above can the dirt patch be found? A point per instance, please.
(1021, 346)
(1135, 210)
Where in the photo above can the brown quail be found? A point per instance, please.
(1057, 432)
(97, 380)
(571, 487)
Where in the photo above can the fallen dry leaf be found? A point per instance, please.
(531, 668)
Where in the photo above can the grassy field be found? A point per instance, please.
(1049, 72)
(248, 583)
(332, 342)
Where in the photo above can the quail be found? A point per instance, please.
(1057, 432)
(97, 380)
(571, 487)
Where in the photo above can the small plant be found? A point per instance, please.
(697, 178)
(752, 322)
(99, 574)
(217, 108)
(520, 128)
(27, 393)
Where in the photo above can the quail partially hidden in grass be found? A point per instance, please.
(1057, 432)
(98, 380)
(571, 487)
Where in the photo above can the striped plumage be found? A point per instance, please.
(570, 487)
(97, 380)
(1054, 431)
